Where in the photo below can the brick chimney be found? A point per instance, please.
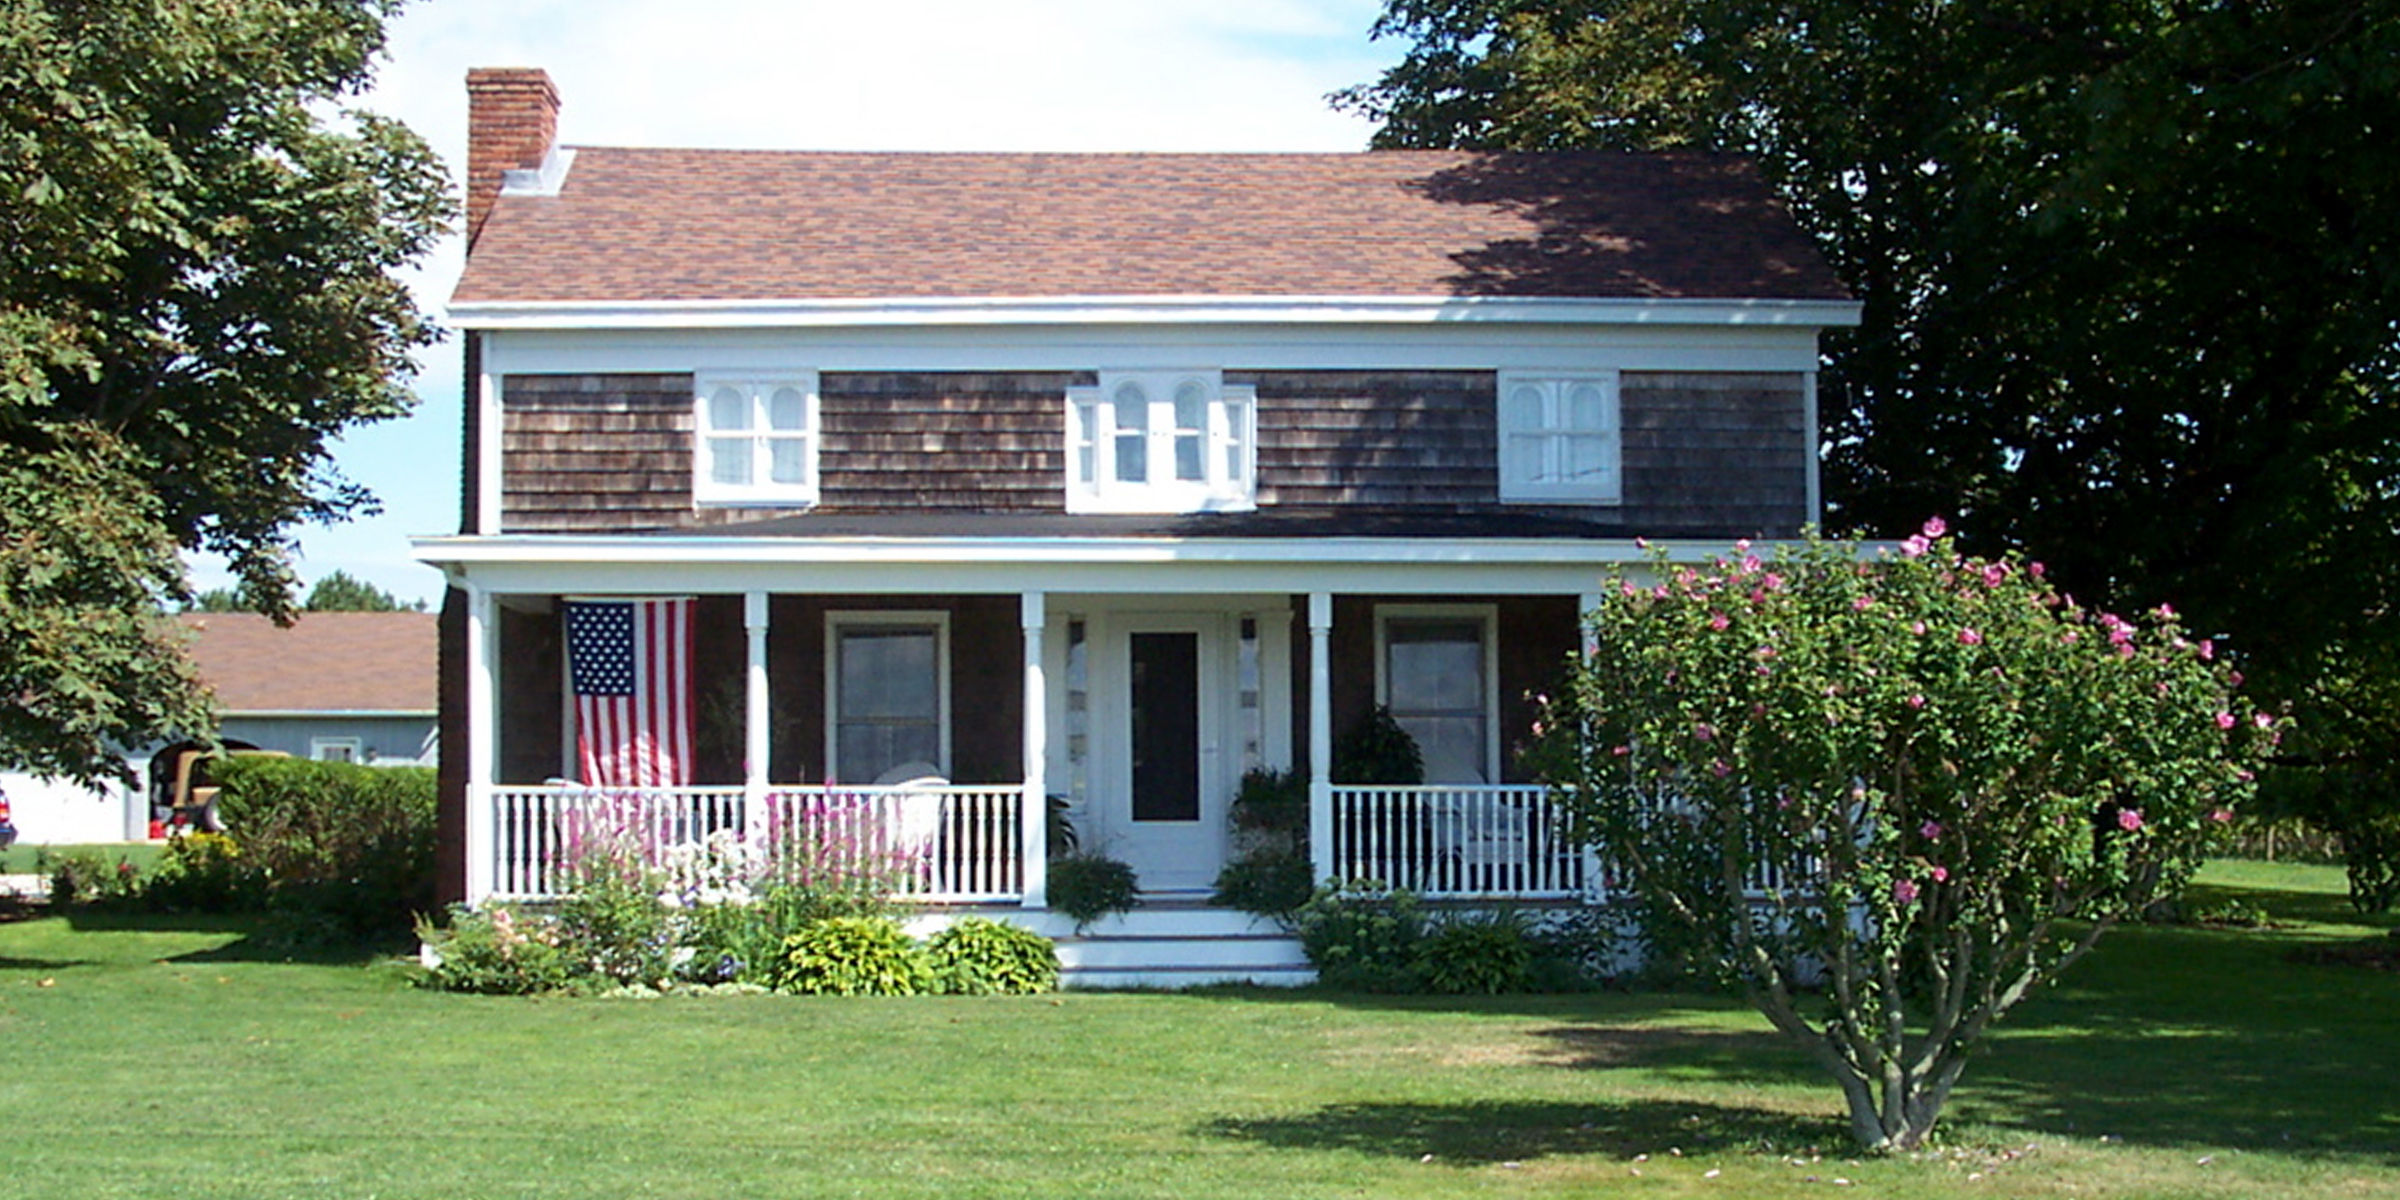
(512, 118)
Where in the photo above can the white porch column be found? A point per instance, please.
(756, 748)
(1034, 843)
(1584, 605)
(483, 739)
(1320, 735)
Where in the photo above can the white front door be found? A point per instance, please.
(1161, 695)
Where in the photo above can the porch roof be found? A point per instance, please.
(892, 562)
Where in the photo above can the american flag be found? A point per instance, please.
(631, 665)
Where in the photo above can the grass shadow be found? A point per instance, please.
(1521, 1131)
(272, 937)
(8, 963)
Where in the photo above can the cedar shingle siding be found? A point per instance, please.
(1715, 454)
(1380, 438)
(595, 453)
(1706, 454)
(986, 442)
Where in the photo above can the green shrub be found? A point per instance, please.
(853, 956)
(1088, 887)
(496, 950)
(203, 872)
(1378, 750)
(1361, 937)
(354, 843)
(1483, 954)
(613, 926)
(1271, 801)
(979, 956)
(81, 878)
(1268, 882)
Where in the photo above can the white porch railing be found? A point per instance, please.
(948, 844)
(1458, 841)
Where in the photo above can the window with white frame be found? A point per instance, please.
(1435, 671)
(336, 749)
(755, 438)
(1559, 438)
(887, 693)
(1160, 441)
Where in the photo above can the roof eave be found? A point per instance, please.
(498, 315)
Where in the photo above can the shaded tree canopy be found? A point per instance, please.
(196, 248)
(2130, 275)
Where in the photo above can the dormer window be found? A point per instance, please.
(1559, 439)
(755, 439)
(1160, 442)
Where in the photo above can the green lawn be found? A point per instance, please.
(153, 1061)
(21, 859)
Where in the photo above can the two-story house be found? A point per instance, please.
(1104, 477)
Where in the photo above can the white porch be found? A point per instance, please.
(1252, 622)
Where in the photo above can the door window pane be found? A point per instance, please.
(1165, 713)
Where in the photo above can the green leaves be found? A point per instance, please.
(196, 268)
(1895, 774)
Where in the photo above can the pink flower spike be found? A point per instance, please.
(2165, 612)
(1718, 621)
(1930, 830)
(1968, 637)
(1774, 582)
(1626, 589)
(2129, 819)
(1719, 769)
(2226, 720)
(1917, 627)
(1742, 546)
(1936, 527)
(2208, 650)
(2071, 637)
(1916, 701)
(2262, 720)
(1862, 603)
(2036, 569)
(1904, 891)
(1620, 751)
(1994, 573)
(1704, 731)
(1915, 546)
(2221, 816)
(1641, 543)
(1941, 874)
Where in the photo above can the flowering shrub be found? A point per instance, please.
(1361, 936)
(498, 950)
(1930, 781)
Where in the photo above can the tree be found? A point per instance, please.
(342, 592)
(195, 280)
(1891, 797)
(2130, 284)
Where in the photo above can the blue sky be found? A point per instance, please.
(815, 75)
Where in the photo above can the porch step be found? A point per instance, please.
(1162, 945)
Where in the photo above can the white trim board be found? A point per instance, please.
(1232, 346)
(1143, 310)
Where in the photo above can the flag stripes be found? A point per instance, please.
(630, 664)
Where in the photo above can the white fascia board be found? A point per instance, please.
(1265, 347)
(933, 566)
(1142, 310)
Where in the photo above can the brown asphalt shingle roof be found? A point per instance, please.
(327, 662)
(729, 225)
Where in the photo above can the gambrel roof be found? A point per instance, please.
(640, 226)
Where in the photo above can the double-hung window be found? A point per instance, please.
(1435, 672)
(887, 693)
(755, 439)
(1560, 440)
(1160, 442)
